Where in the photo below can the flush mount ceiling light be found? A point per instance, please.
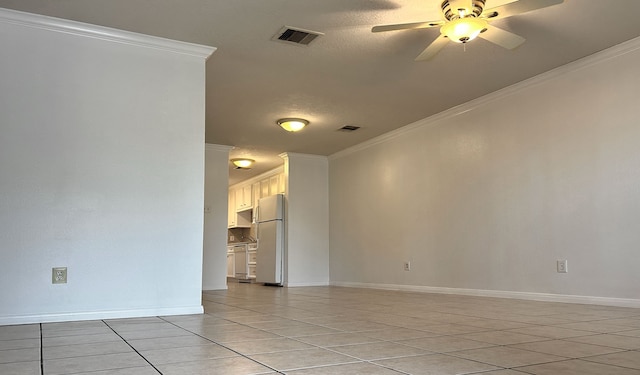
(243, 163)
(292, 124)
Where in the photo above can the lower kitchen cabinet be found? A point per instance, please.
(241, 261)
(231, 262)
(252, 255)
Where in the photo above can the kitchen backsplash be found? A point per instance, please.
(241, 235)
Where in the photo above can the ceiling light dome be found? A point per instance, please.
(463, 30)
(243, 163)
(292, 124)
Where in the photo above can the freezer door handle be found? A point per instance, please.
(258, 235)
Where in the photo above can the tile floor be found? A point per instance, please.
(252, 329)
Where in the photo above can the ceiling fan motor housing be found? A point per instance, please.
(454, 9)
(466, 20)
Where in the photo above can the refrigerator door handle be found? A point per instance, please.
(257, 227)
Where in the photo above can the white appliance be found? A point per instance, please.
(240, 268)
(270, 233)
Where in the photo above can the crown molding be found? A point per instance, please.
(588, 61)
(294, 155)
(86, 30)
(260, 177)
(216, 147)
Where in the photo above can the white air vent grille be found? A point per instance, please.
(296, 35)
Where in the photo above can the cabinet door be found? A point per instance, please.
(231, 213)
(247, 195)
(243, 198)
(274, 184)
(241, 264)
(281, 184)
(256, 194)
(231, 271)
(264, 188)
(239, 199)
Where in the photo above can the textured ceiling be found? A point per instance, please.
(349, 76)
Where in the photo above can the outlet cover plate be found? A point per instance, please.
(562, 266)
(407, 266)
(59, 275)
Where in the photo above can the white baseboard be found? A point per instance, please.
(315, 283)
(215, 287)
(99, 315)
(546, 297)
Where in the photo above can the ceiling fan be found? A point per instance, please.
(464, 20)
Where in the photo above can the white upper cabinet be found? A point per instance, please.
(244, 198)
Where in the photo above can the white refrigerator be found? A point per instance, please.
(270, 233)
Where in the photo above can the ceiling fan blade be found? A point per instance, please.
(501, 37)
(406, 26)
(517, 7)
(433, 48)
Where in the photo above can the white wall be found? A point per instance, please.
(102, 160)
(307, 219)
(489, 195)
(214, 264)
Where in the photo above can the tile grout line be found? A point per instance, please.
(134, 349)
(291, 338)
(449, 354)
(337, 352)
(348, 355)
(222, 345)
(364, 333)
(452, 354)
(357, 360)
(586, 359)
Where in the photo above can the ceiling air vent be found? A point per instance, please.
(297, 36)
(348, 128)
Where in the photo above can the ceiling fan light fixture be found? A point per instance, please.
(292, 124)
(463, 30)
(243, 163)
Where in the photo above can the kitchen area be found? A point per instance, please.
(255, 229)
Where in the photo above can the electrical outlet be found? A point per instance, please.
(407, 266)
(561, 265)
(59, 275)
